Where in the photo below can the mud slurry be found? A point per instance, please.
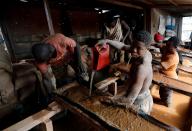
(119, 117)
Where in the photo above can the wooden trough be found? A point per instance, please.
(82, 118)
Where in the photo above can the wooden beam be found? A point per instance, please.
(41, 117)
(106, 82)
(125, 4)
(177, 85)
(149, 2)
(48, 16)
(66, 87)
(180, 67)
(138, 2)
(160, 79)
(173, 2)
(171, 6)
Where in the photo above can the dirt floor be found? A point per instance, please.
(177, 114)
(122, 118)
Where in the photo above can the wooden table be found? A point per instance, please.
(161, 79)
(187, 69)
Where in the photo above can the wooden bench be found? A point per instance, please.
(42, 117)
(161, 79)
(180, 67)
(105, 83)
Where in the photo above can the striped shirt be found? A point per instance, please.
(116, 32)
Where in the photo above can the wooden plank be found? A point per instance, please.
(184, 50)
(106, 82)
(174, 84)
(36, 119)
(187, 69)
(173, 2)
(125, 4)
(158, 78)
(66, 87)
(149, 2)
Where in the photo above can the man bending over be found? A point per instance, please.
(58, 50)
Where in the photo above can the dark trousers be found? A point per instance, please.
(77, 63)
(165, 94)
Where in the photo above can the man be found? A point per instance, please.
(169, 63)
(58, 51)
(18, 82)
(114, 28)
(138, 94)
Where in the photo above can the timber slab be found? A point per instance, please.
(160, 79)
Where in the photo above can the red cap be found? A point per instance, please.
(158, 37)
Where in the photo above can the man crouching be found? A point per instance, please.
(141, 74)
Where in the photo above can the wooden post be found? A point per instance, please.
(147, 19)
(8, 40)
(47, 125)
(115, 88)
(48, 16)
(179, 27)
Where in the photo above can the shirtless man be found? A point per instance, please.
(141, 74)
(169, 63)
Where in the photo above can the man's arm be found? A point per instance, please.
(136, 85)
(115, 44)
(167, 63)
(49, 80)
(125, 25)
(127, 30)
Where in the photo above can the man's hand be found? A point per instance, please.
(116, 101)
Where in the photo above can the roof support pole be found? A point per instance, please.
(48, 16)
(147, 19)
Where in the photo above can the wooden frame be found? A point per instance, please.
(103, 84)
(42, 117)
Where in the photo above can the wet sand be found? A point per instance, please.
(119, 117)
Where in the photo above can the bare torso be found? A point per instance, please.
(146, 71)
